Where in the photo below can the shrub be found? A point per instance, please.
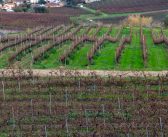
(40, 10)
(20, 9)
(166, 21)
(136, 20)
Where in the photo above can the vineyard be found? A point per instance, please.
(67, 74)
(77, 106)
(86, 47)
(120, 6)
(56, 16)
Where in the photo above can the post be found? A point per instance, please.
(103, 109)
(86, 121)
(31, 104)
(66, 124)
(13, 117)
(119, 104)
(3, 88)
(50, 104)
(19, 85)
(45, 131)
(66, 98)
(147, 132)
(161, 126)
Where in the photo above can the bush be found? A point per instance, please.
(166, 21)
(40, 10)
(42, 2)
(20, 9)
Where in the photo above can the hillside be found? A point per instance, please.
(120, 6)
(86, 47)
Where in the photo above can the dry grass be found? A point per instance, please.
(136, 20)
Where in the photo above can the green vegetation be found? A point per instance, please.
(40, 10)
(51, 58)
(104, 58)
(166, 21)
(157, 54)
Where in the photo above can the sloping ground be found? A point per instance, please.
(70, 11)
(158, 16)
(119, 6)
(78, 54)
(56, 16)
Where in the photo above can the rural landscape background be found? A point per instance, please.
(83, 68)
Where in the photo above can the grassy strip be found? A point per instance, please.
(79, 58)
(132, 55)
(51, 58)
(105, 59)
(157, 54)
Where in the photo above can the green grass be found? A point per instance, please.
(81, 31)
(105, 58)
(4, 60)
(131, 58)
(79, 58)
(114, 31)
(102, 31)
(51, 58)
(92, 31)
(157, 54)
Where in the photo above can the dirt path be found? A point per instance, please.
(63, 72)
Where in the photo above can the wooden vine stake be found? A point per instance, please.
(119, 104)
(3, 89)
(161, 127)
(19, 86)
(103, 110)
(87, 128)
(46, 131)
(50, 104)
(66, 97)
(13, 118)
(147, 132)
(31, 105)
(66, 125)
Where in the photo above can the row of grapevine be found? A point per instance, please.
(83, 106)
(16, 42)
(159, 38)
(100, 41)
(51, 32)
(98, 45)
(24, 48)
(74, 45)
(56, 41)
(121, 47)
(143, 46)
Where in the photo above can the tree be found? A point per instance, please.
(1, 1)
(166, 21)
(40, 10)
(70, 2)
(42, 2)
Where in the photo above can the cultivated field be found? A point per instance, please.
(61, 75)
(22, 20)
(77, 106)
(122, 6)
(86, 47)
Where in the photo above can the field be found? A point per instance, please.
(120, 6)
(78, 106)
(86, 47)
(22, 20)
(65, 74)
